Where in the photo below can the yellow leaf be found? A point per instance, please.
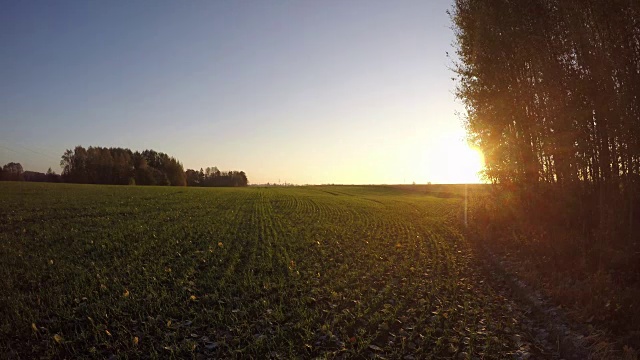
(220, 243)
(108, 333)
(126, 293)
(34, 327)
(169, 323)
(58, 338)
(193, 298)
(135, 341)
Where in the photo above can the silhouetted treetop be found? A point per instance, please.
(12, 172)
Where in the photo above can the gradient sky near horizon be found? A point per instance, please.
(306, 92)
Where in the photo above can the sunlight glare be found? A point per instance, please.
(453, 161)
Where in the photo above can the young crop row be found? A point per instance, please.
(95, 271)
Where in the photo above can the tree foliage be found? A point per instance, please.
(12, 172)
(551, 92)
(118, 166)
(214, 177)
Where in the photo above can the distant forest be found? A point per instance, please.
(118, 166)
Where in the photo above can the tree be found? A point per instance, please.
(159, 178)
(118, 166)
(550, 88)
(212, 176)
(52, 176)
(175, 172)
(193, 178)
(13, 172)
(66, 163)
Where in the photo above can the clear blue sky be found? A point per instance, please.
(301, 91)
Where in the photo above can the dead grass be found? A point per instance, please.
(595, 283)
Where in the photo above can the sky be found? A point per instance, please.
(304, 92)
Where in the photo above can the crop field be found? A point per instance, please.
(163, 272)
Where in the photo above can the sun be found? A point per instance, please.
(469, 163)
(453, 161)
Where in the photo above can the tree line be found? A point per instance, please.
(211, 176)
(15, 172)
(552, 96)
(551, 91)
(121, 166)
(118, 166)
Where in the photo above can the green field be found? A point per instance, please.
(160, 272)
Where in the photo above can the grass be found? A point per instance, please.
(159, 272)
(597, 283)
